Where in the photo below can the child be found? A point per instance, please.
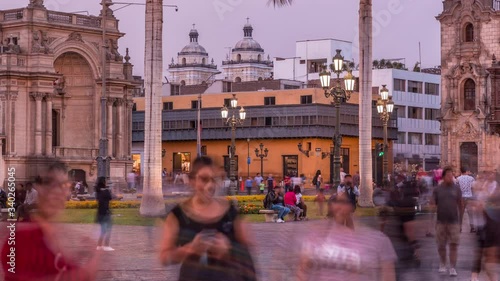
(262, 186)
(320, 200)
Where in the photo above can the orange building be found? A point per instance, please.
(279, 119)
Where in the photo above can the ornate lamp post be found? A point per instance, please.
(232, 119)
(339, 95)
(385, 106)
(262, 153)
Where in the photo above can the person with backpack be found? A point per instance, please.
(274, 200)
(317, 180)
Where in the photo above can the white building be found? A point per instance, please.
(310, 56)
(417, 99)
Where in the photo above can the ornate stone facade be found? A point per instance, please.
(470, 30)
(50, 93)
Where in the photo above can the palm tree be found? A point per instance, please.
(365, 108)
(281, 3)
(152, 203)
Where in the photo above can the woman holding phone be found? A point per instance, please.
(205, 234)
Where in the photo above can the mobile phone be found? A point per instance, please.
(209, 234)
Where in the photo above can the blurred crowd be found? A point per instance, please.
(208, 237)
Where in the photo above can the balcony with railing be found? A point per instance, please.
(74, 19)
(185, 65)
(12, 15)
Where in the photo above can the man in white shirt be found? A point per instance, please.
(258, 179)
(465, 181)
(29, 202)
(131, 180)
(342, 175)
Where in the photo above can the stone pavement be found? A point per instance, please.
(136, 256)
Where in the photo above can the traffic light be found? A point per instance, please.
(380, 149)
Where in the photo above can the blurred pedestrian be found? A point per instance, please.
(103, 214)
(317, 180)
(248, 185)
(447, 197)
(465, 181)
(39, 254)
(320, 201)
(131, 177)
(205, 234)
(335, 252)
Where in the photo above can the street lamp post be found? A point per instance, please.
(262, 153)
(339, 95)
(233, 120)
(248, 158)
(385, 106)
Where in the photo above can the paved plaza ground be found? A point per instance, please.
(136, 256)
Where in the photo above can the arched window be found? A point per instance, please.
(238, 58)
(183, 61)
(259, 58)
(183, 83)
(470, 95)
(469, 32)
(260, 79)
(238, 79)
(203, 61)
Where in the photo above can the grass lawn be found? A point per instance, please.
(131, 216)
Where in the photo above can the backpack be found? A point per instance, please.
(268, 201)
(315, 180)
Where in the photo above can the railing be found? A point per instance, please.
(13, 15)
(65, 152)
(88, 21)
(176, 65)
(65, 18)
(59, 17)
(496, 5)
(268, 63)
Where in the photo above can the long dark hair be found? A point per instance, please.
(200, 163)
(101, 184)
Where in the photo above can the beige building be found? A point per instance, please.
(51, 89)
(470, 131)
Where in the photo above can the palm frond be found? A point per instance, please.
(280, 3)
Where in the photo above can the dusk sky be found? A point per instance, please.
(399, 26)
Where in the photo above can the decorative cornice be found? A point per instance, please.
(110, 101)
(37, 96)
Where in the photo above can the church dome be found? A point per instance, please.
(248, 43)
(193, 47)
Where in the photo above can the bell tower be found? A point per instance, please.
(468, 64)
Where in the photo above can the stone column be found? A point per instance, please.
(48, 125)
(38, 97)
(365, 97)
(152, 200)
(119, 126)
(109, 124)
(128, 126)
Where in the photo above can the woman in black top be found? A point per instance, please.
(205, 234)
(103, 195)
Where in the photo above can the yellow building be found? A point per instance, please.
(279, 119)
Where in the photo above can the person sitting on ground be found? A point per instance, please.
(29, 203)
(278, 204)
(300, 202)
(291, 203)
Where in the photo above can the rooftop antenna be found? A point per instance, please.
(420, 55)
